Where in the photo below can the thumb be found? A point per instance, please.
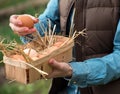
(33, 18)
(54, 64)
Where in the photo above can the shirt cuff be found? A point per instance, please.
(79, 75)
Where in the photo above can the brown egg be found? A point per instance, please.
(18, 57)
(26, 21)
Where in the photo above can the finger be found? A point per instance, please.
(30, 31)
(22, 31)
(35, 20)
(18, 30)
(12, 26)
(25, 31)
(13, 19)
(54, 64)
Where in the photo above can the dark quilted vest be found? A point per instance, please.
(100, 18)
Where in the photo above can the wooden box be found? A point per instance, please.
(17, 70)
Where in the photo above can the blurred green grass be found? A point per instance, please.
(39, 87)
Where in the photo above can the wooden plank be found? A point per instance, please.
(34, 75)
(21, 75)
(10, 71)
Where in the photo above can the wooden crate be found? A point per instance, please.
(20, 72)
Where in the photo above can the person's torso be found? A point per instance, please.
(100, 18)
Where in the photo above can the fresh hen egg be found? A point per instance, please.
(26, 20)
(30, 52)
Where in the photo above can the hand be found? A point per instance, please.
(18, 28)
(59, 69)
